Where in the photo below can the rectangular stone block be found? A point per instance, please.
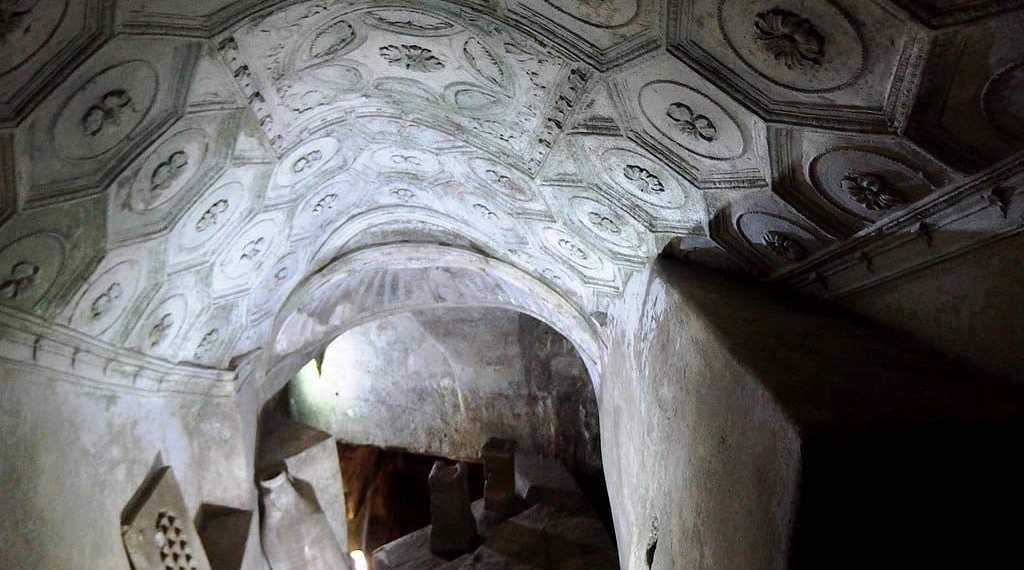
(499, 470)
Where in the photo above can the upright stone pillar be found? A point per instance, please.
(499, 470)
(453, 528)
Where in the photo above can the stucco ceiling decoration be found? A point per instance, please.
(171, 187)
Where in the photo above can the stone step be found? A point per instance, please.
(553, 527)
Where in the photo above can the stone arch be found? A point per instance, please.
(375, 282)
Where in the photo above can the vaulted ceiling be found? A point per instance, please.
(194, 181)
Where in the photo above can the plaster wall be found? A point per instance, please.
(441, 382)
(970, 306)
(73, 456)
(701, 463)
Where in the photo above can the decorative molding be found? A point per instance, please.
(604, 34)
(77, 358)
(939, 13)
(948, 224)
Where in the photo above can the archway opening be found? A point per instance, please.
(404, 390)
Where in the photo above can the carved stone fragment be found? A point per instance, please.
(499, 471)
(453, 528)
(157, 528)
(295, 531)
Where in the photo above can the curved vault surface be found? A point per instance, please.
(196, 182)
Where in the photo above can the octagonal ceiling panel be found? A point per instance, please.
(167, 319)
(844, 183)
(970, 111)
(200, 18)
(40, 42)
(690, 124)
(106, 111)
(110, 301)
(45, 257)
(151, 194)
(765, 233)
(847, 65)
(533, 137)
(637, 183)
(228, 202)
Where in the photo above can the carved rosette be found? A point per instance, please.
(160, 328)
(869, 184)
(274, 286)
(608, 228)
(809, 46)
(411, 57)
(210, 215)
(871, 191)
(245, 261)
(789, 38)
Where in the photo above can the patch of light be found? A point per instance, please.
(359, 559)
(326, 395)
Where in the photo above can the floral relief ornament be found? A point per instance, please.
(108, 110)
(789, 38)
(643, 180)
(411, 57)
(691, 123)
(871, 191)
(783, 245)
(21, 278)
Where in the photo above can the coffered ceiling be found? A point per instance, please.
(195, 181)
